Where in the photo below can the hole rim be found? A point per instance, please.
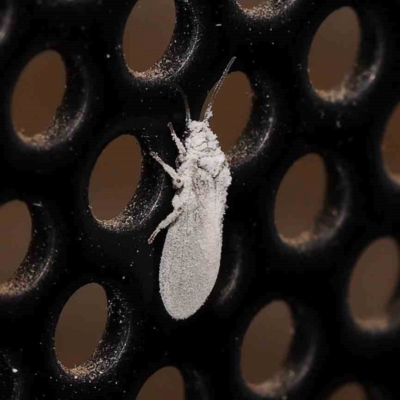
(54, 61)
(370, 390)
(238, 75)
(151, 190)
(257, 135)
(366, 71)
(62, 341)
(114, 342)
(37, 264)
(382, 159)
(336, 391)
(382, 325)
(301, 359)
(277, 372)
(334, 214)
(124, 213)
(73, 107)
(151, 372)
(182, 45)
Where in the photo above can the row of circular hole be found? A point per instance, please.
(237, 83)
(339, 50)
(331, 59)
(33, 108)
(115, 173)
(168, 383)
(370, 292)
(264, 348)
(374, 284)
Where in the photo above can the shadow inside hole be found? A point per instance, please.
(38, 94)
(166, 383)
(300, 199)
(115, 177)
(147, 33)
(391, 144)
(350, 391)
(231, 109)
(81, 325)
(334, 50)
(15, 237)
(373, 283)
(266, 344)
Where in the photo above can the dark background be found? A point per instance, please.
(38, 94)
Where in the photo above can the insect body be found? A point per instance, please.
(192, 250)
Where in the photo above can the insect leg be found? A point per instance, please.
(179, 144)
(169, 170)
(165, 223)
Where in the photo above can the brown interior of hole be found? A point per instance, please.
(38, 93)
(148, 32)
(334, 50)
(391, 144)
(81, 325)
(300, 199)
(115, 177)
(166, 383)
(350, 391)
(373, 282)
(15, 237)
(234, 99)
(266, 344)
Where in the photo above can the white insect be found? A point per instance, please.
(192, 250)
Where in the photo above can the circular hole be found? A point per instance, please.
(166, 383)
(115, 177)
(334, 50)
(351, 391)
(231, 109)
(300, 198)
(373, 282)
(266, 343)
(81, 325)
(16, 229)
(148, 32)
(38, 94)
(391, 144)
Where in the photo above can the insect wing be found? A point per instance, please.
(191, 258)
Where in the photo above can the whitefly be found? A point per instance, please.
(192, 250)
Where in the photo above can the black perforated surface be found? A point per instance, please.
(71, 248)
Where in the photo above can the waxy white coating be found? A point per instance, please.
(192, 250)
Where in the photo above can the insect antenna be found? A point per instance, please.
(186, 103)
(207, 114)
